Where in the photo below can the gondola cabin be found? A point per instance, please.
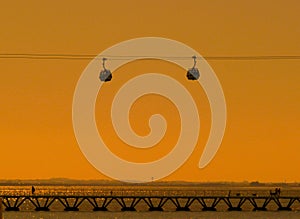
(105, 75)
(193, 74)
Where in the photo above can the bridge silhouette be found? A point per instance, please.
(152, 203)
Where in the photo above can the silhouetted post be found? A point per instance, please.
(32, 189)
(1, 217)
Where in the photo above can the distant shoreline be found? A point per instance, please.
(73, 182)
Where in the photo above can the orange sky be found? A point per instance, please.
(262, 136)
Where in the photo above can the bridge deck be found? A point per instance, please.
(149, 203)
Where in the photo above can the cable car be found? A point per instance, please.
(193, 73)
(105, 74)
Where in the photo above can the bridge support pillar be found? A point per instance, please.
(12, 209)
(71, 209)
(128, 209)
(260, 209)
(100, 209)
(182, 208)
(284, 209)
(209, 209)
(42, 209)
(235, 209)
(155, 209)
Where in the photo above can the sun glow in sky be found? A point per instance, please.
(262, 139)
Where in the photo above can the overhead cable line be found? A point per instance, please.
(116, 57)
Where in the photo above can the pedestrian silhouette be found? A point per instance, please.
(32, 189)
